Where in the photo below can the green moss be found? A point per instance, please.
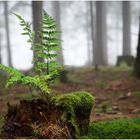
(71, 103)
(117, 129)
(75, 99)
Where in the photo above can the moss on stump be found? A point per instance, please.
(62, 116)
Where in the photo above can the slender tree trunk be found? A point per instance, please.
(37, 18)
(0, 50)
(57, 16)
(117, 28)
(7, 33)
(126, 28)
(137, 60)
(88, 34)
(92, 31)
(101, 34)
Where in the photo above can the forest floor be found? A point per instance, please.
(116, 91)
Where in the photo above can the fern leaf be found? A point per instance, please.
(10, 71)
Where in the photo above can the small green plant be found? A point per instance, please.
(45, 53)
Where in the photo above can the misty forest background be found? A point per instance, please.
(92, 32)
(99, 45)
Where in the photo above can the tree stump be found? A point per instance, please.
(60, 117)
(129, 60)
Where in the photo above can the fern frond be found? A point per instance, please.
(27, 30)
(10, 71)
(15, 75)
(13, 80)
(45, 50)
(37, 82)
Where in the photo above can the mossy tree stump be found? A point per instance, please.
(62, 116)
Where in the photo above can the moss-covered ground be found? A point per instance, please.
(116, 129)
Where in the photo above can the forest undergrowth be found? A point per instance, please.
(116, 92)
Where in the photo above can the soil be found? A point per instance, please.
(116, 91)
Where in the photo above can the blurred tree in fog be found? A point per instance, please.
(126, 39)
(126, 12)
(137, 60)
(7, 33)
(0, 36)
(101, 35)
(37, 18)
(90, 3)
(0, 48)
(56, 7)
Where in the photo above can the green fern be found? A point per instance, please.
(50, 45)
(16, 77)
(26, 30)
(45, 50)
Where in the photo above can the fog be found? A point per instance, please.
(76, 42)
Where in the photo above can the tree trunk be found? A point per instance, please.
(101, 35)
(88, 35)
(92, 31)
(0, 49)
(137, 60)
(7, 33)
(37, 18)
(126, 54)
(57, 16)
(126, 28)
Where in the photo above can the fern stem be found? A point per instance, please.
(47, 67)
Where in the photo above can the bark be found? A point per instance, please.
(126, 28)
(7, 33)
(37, 18)
(92, 30)
(0, 49)
(101, 34)
(137, 60)
(88, 33)
(57, 15)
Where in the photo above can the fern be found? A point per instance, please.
(45, 50)
(50, 44)
(16, 77)
(26, 30)
(10, 70)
